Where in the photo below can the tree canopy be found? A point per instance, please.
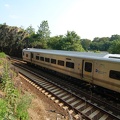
(43, 30)
(13, 39)
(115, 47)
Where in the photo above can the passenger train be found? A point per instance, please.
(101, 69)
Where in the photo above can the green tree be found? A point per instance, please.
(30, 30)
(12, 39)
(43, 30)
(94, 46)
(115, 47)
(43, 34)
(101, 44)
(71, 42)
(55, 42)
(115, 37)
(31, 36)
(85, 43)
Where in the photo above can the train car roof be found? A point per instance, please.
(90, 55)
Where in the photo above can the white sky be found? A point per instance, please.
(88, 18)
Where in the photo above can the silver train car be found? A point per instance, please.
(99, 69)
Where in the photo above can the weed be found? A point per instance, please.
(22, 107)
(3, 109)
(14, 105)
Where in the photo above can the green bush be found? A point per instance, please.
(14, 105)
(22, 107)
(2, 55)
(3, 109)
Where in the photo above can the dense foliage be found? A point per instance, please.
(14, 39)
(111, 44)
(70, 42)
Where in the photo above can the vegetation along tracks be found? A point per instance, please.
(77, 106)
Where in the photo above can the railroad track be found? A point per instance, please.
(77, 106)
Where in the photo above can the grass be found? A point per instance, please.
(14, 105)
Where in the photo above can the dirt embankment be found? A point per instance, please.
(42, 108)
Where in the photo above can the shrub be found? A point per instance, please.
(2, 55)
(14, 105)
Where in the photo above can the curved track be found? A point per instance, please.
(78, 103)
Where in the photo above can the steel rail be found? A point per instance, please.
(72, 105)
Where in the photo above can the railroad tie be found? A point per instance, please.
(104, 117)
(43, 91)
(56, 101)
(49, 95)
(61, 104)
(94, 114)
(75, 102)
(70, 99)
(77, 116)
(70, 111)
(80, 106)
(65, 107)
(52, 98)
(46, 93)
(87, 109)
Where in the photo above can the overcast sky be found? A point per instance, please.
(88, 18)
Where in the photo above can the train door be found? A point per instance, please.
(87, 70)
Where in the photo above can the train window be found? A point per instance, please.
(88, 66)
(47, 59)
(70, 64)
(114, 57)
(31, 55)
(60, 62)
(42, 58)
(114, 74)
(37, 57)
(53, 61)
(26, 55)
(68, 58)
